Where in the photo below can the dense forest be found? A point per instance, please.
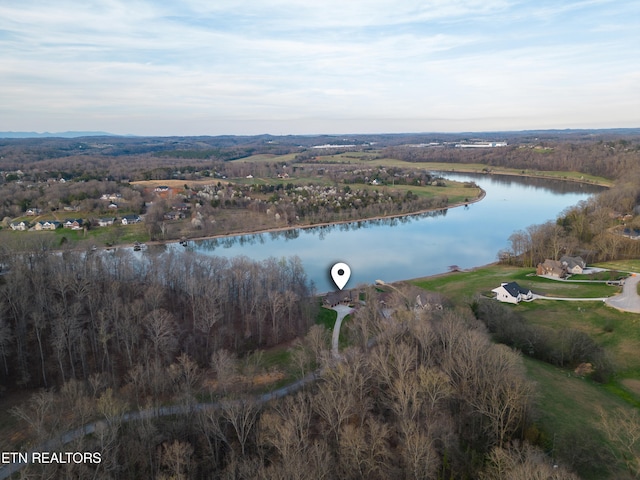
(75, 314)
(430, 397)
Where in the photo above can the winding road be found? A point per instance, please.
(65, 438)
(627, 301)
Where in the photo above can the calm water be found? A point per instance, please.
(415, 246)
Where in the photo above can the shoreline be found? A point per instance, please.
(528, 175)
(304, 227)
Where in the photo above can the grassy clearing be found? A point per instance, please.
(267, 158)
(327, 318)
(604, 276)
(618, 332)
(622, 265)
(78, 239)
(569, 407)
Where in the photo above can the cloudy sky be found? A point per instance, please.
(194, 67)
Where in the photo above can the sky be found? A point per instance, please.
(243, 67)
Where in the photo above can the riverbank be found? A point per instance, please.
(543, 175)
(259, 231)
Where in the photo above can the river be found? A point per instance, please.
(417, 245)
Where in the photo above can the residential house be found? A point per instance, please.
(47, 225)
(131, 219)
(551, 268)
(512, 293)
(332, 299)
(181, 207)
(32, 212)
(111, 197)
(22, 226)
(73, 223)
(173, 215)
(105, 222)
(574, 265)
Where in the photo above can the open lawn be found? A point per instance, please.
(99, 236)
(327, 318)
(618, 332)
(623, 265)
(462, 286)
(568, 413)
(266, 158)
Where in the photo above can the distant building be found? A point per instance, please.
(131, 219)
(21, 226)
(105, 222)
(47, 225)
(481, 145)
(73, 224)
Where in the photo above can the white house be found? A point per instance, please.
(105, 222)
(22, 226)
(512, 293)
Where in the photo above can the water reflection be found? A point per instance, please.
(556, 186)
(320, 232)
(412, 246)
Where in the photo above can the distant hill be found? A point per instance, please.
(54, 135)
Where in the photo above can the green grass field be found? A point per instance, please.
(568, 412)
(462, 286)
(266, 158)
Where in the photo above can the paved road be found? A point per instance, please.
(55, 444)
(628, 300)
(343, 311)
(570, 299)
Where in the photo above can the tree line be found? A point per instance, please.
(591, 229)
(609, 159)
(70, 315)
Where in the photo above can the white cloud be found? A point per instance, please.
(359, 64)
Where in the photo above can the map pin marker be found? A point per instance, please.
(340, 274)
